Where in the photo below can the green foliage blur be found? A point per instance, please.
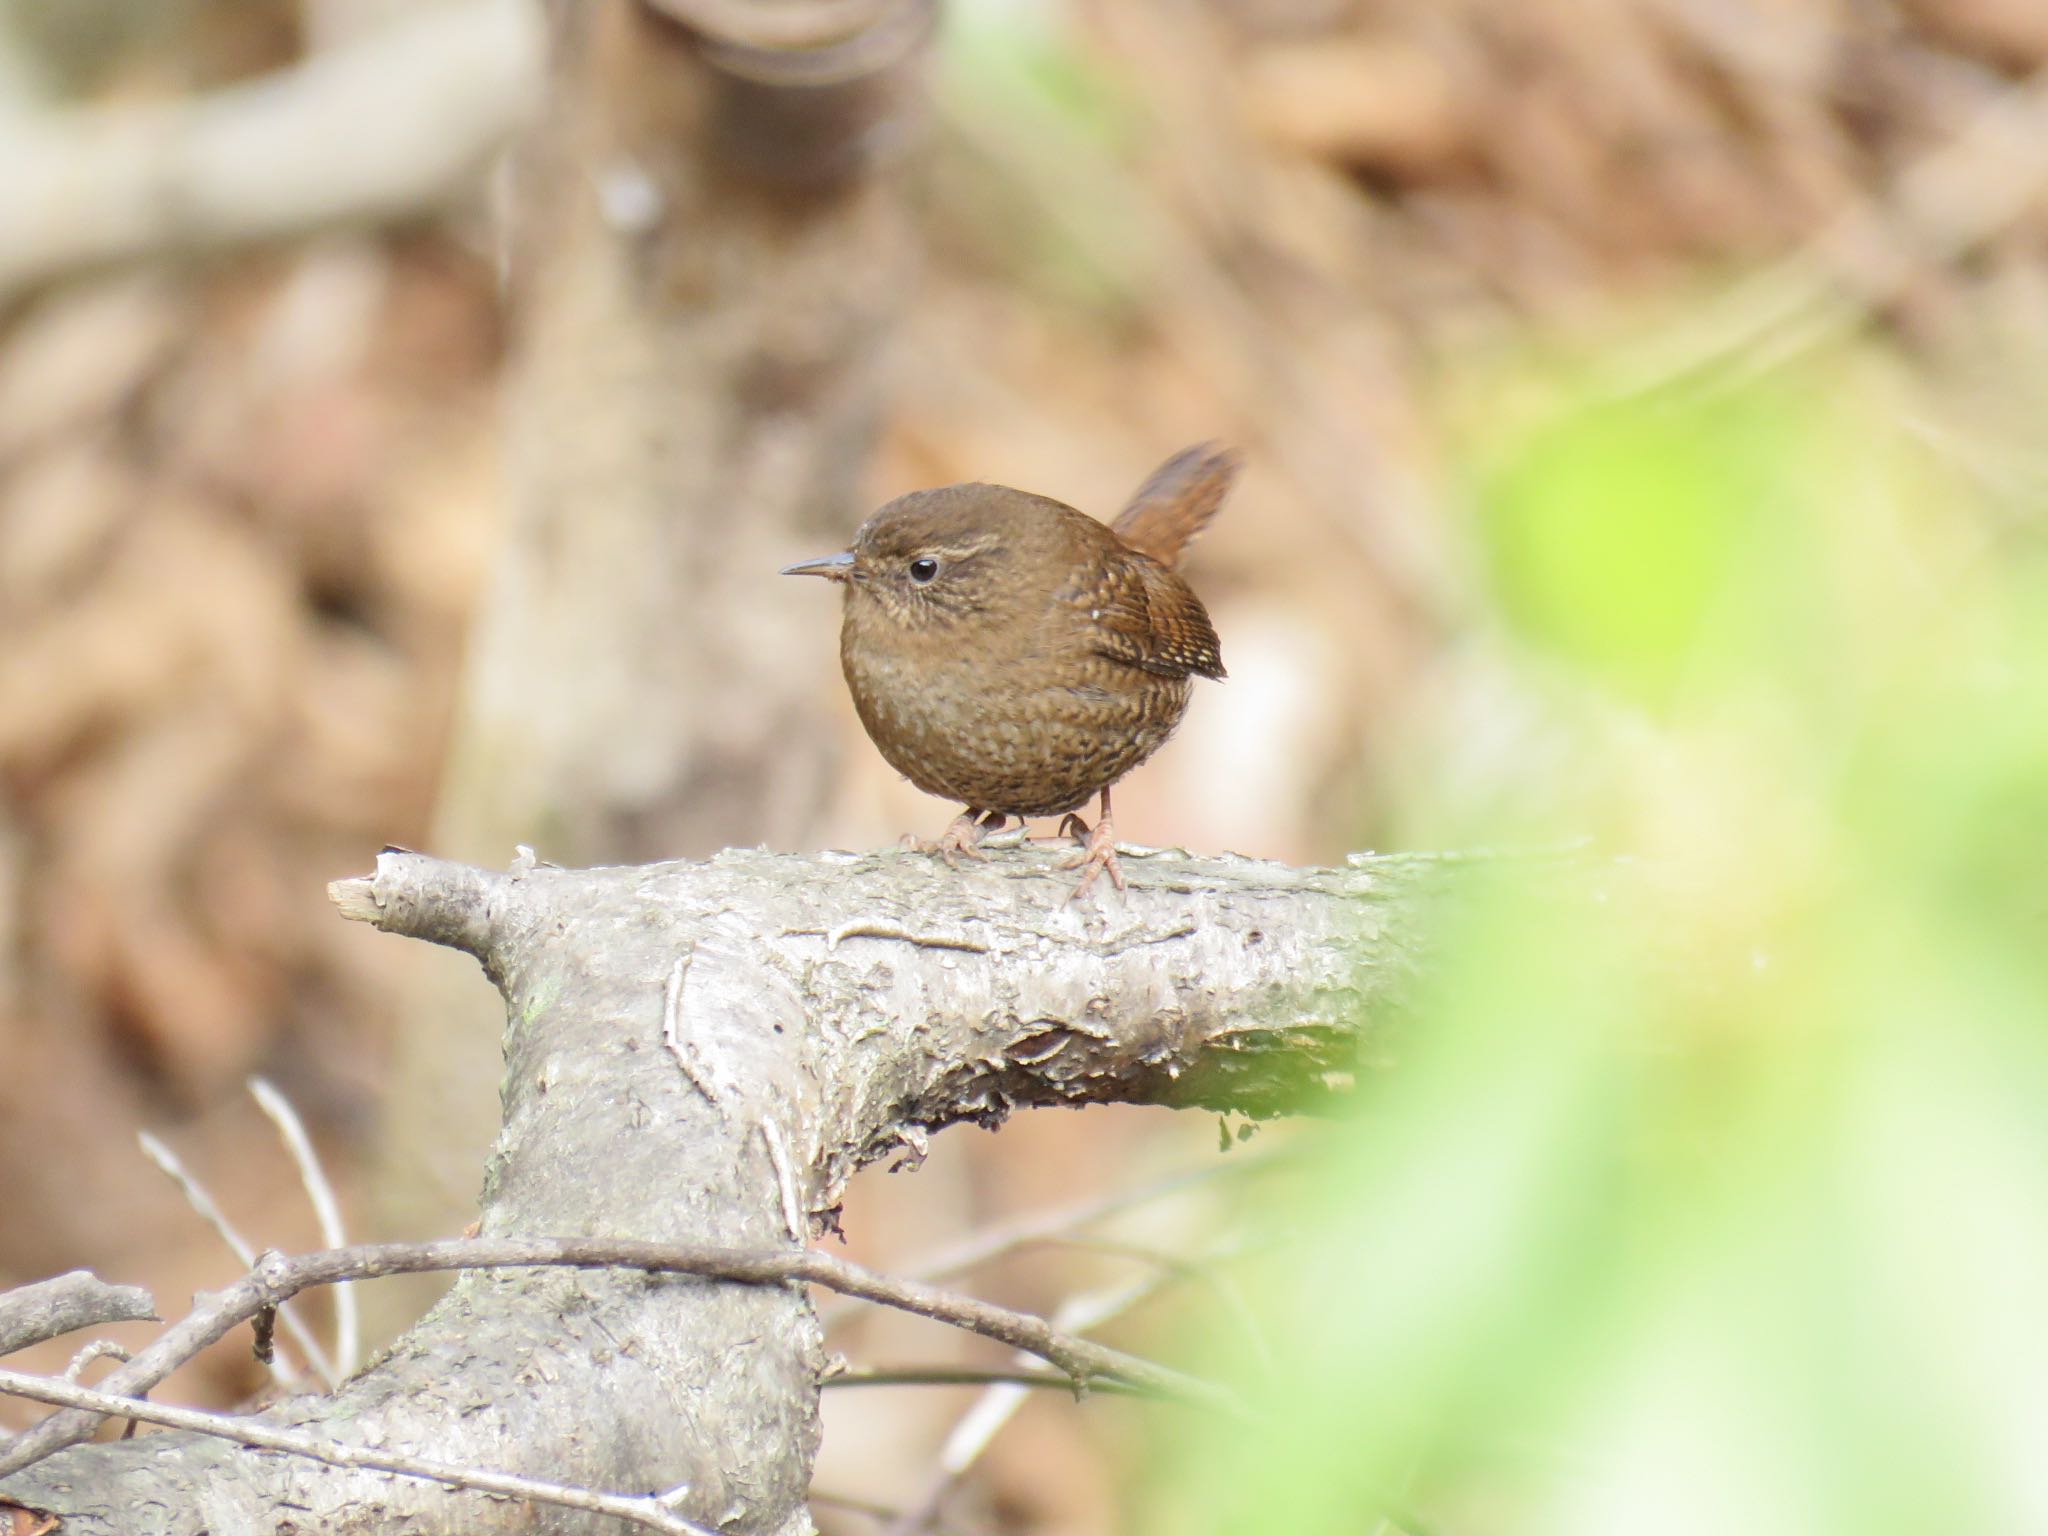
(1710, 1194)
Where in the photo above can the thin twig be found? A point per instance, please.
(326, 1211)
(642, 1509)
(210, 1212)
(999, 1403)
(1005, 1237)
(1202, 1272)
(275, 1278)
(1082, 1359)
(98, 1349)
(30, 1314)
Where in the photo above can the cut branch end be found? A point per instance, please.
(356, 899)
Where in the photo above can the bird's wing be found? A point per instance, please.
(1178, 501)
(1145, 616)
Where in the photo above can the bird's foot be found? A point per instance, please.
(1072, 826)
(1097, 854)
(989, 830)
(962, 837)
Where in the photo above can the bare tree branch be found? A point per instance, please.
(276, 1279)
(1000, 1400)
(1062, 1224)
(208, 1209)
(98, 1349)
(642, 1510)
(1056, 1225)
(326, 1210)
(30, 1314)
(690, 1357)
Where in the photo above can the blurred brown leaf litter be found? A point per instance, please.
(246, 506)
(242, 518)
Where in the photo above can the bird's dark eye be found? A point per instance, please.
(923, 569)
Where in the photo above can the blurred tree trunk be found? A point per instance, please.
(707, 249)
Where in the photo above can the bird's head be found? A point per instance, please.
(935, 560)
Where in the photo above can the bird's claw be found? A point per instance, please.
(961, 839)
(1097, 855)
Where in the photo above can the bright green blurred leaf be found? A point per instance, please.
(1712, 1194)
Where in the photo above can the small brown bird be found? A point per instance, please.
(1015, 655)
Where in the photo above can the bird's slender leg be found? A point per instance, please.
(961, 836)
(1097, 855)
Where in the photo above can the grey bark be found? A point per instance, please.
(30, 1314)
(853, 1003)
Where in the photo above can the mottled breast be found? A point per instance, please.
(1058, 660)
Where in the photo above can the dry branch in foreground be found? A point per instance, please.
(695, 1053)
(30, 1314)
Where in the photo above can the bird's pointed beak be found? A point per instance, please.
(835, 567)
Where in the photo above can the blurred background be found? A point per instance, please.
(403, 411)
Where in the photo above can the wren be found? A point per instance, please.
(1014, 655)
